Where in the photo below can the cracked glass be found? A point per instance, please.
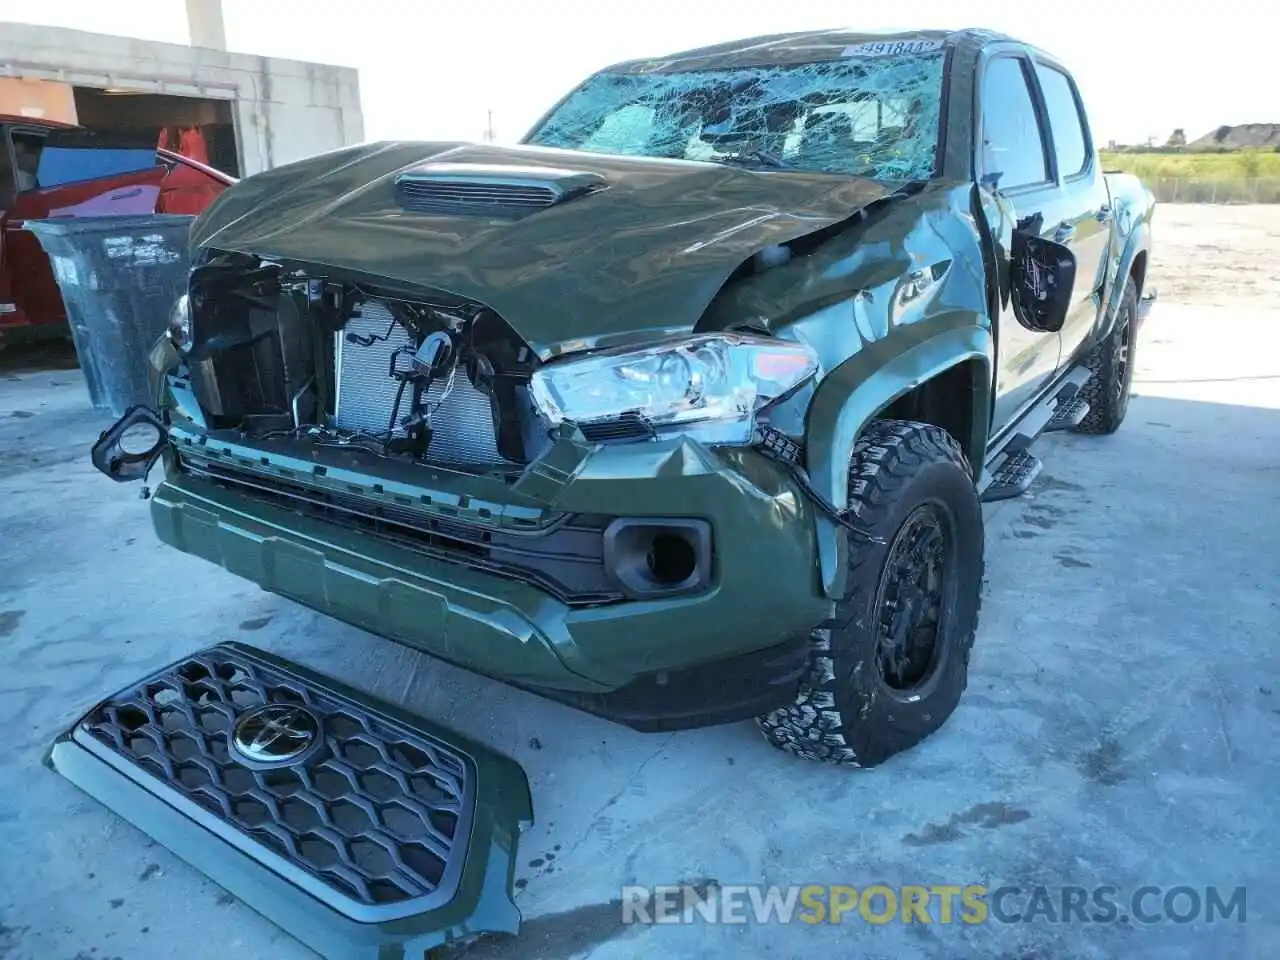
(865, 114)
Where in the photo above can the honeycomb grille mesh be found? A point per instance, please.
(373, 812)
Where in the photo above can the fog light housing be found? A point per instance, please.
(658, 556)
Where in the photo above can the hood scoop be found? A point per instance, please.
(490, 190)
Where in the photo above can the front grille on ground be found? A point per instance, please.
(376, 811)
(566, 560)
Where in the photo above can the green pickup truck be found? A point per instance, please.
(680, 411)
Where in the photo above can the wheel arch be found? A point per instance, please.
(885, 378)
(1138, 270)
(1132, 263)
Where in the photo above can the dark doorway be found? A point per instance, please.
(201, 129)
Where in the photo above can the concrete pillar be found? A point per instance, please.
(204, 24)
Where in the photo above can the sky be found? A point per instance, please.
(432, 69)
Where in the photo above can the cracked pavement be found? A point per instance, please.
(1120, 725)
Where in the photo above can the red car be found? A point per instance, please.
(52, 170)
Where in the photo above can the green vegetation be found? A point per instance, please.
(1235, 176)
(1241, 165)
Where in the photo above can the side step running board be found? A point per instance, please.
(1013, 478)
(364, 831)
(1069, 413)
(1010, 470)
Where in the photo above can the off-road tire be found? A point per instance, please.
(846, 712)
(1111, 363)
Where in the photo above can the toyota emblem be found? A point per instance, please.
(278, 733)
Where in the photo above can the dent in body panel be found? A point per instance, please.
(913, 257)
(886, 306)
(794, 148)
(639, 259)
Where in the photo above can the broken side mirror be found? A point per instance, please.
(1042, 279)
(128, 449)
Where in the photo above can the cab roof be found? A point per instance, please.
(793, 48)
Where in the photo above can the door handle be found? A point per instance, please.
(1064, 231)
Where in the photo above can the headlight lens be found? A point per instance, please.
(180, 330)
(711, 385)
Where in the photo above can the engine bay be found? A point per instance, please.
(280, 350)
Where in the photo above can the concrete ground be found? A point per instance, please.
(1121, 724)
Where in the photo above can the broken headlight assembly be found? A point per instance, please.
(708, 386)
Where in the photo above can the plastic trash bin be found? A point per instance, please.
(119, 277)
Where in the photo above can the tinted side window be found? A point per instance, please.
(1011, 139)
(26, 155)
(62, 165)
(1064, 119)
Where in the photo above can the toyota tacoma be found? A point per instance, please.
(679, 411)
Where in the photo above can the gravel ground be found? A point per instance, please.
(1120, 726)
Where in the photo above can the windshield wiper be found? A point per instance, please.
(751, 158)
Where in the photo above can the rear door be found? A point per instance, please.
(1081, 210)
(1017, 186)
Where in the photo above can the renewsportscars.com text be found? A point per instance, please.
(935, 903)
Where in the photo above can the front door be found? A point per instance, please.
(1018, 193)
(1080, 215)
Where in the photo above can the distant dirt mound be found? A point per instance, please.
(1236, 138)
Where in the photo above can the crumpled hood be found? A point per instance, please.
(643, 255)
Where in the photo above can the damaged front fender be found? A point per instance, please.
(887, 306)
(861, 388)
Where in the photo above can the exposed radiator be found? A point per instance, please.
(462, 424)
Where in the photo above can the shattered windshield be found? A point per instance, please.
(865, 114)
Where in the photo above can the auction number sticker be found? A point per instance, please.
(891, 48)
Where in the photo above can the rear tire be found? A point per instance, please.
(889, 669)
(1111, 363)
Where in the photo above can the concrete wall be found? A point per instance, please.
(284, 109)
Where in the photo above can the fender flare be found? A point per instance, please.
(1139, 240)
(854, 392)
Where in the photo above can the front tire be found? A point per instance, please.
(889, 668)
(1111, 363)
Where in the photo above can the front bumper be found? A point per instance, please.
(764, 589)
